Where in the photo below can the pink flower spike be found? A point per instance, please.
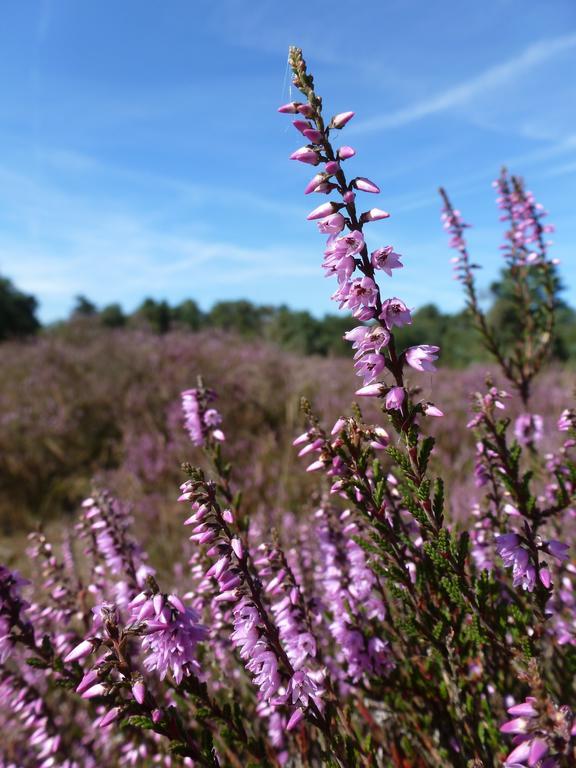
(314, 183)
(345, 153)
(374, 214)
(289, 109)
(370, 390)
(313, 136)
(340, 120)
(365, 185)
(305, 155)
(324, 210)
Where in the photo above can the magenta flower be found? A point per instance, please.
(528, 428)
(332, 225)
(386, 259)
(509, 547)
(422, 358)
(172, 634)
(395, 398)
(395, 313)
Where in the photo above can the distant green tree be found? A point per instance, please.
(294, 331)
(157, 315)
(17, 312)
(188, 314)
(84, 307)
(112, 316)
(240, 316)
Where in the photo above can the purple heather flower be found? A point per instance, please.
(395, 313)
(201, 421)
(386, 259)
(567, 420)
(253, 647)
(332, 225)
(509, 547)
(528, 428)
(172, 633)
(422, 357)
(395, 398)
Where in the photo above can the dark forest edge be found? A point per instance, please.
(293, 330)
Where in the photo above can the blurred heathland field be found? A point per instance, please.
(88, 404)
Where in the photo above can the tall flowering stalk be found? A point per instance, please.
(532, 275)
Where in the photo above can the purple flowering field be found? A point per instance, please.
(220, 553)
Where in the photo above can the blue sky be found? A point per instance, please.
(141, 153)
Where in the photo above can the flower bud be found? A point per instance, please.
(305, 155)
(340, 120)
(314, 136)
(365, 185)
(324, 210)
(374, 214)
(344, 153)
(289, 109)
(83, 649)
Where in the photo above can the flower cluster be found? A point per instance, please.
(346, 256)
(200, 419)
(542, 734)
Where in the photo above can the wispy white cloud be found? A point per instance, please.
(491, 79)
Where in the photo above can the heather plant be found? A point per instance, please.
(365, 625)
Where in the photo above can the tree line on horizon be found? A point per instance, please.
(296, 331)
